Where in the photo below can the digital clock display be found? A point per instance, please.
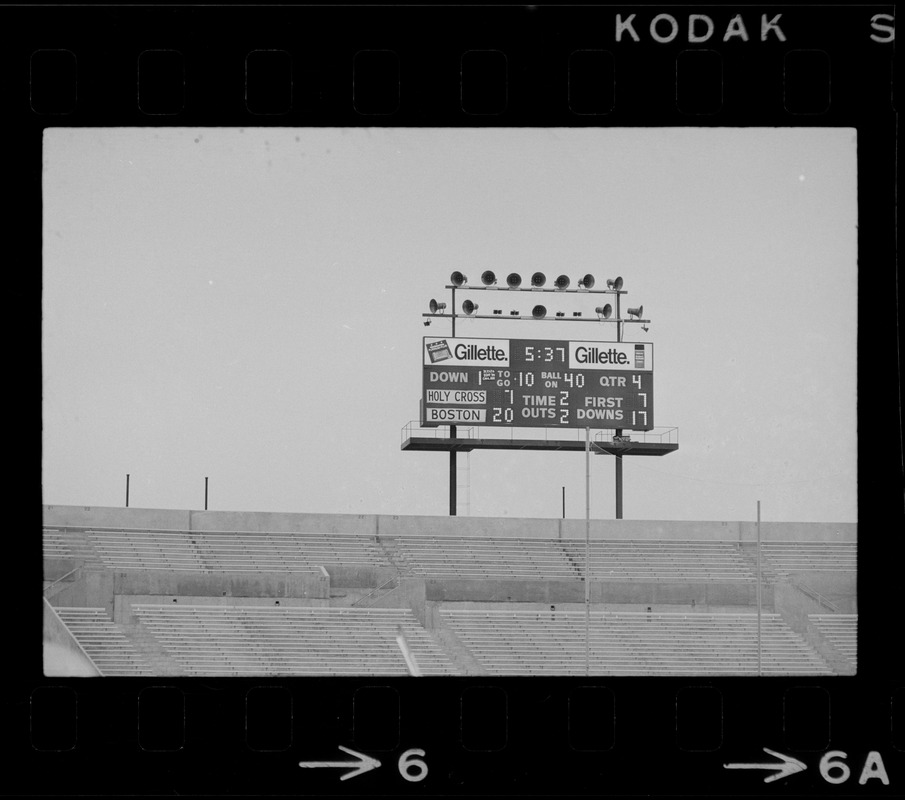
(537, 383)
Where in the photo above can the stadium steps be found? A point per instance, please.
(841, 630)
(748, 551)
(104, 641)
(456, 650)
(263, 640)
(395, 556)
(631, 643)
(145, 644)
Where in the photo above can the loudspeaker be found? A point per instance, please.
(587, 282)
(469, 308)
(635, 312)
(435, 306)
(488, 278)
(614, 284)
(514, 280)
(539, 312)
(458, 279)
(562, 282)
(538, 279)
(605, 311)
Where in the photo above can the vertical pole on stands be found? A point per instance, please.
(452, 432)
(587, 552)
(759, 595)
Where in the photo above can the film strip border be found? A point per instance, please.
(525, 65)
(397, 66)
(474, 738)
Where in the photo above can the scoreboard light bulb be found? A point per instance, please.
(513, 313)
(576, 313)
(498, 311)
(560, 313)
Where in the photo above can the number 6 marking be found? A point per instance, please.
(408, 762)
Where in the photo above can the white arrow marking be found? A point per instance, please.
(789, 766)
(362, 763)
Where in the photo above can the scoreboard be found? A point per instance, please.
(537, 383)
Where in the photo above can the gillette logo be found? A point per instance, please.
(592, 355)
(471, 352)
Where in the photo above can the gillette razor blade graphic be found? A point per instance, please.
(438, 351)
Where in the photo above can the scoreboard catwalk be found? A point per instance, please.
(537, 383)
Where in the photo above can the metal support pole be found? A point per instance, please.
(587, 552)
(618, 430)
(759, 597)
(127, 490)
(563, 502)
(205, 493)
(452, 474)
(452, 433)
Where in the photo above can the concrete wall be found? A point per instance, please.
(411, 525)
(58, 567)
(358, 577)
(226, 584)
(794, 607)
(281, 523)
(63, 655)
(840, 588)
(629, 593)
(123, 603)
(504, 591)
(111, 517)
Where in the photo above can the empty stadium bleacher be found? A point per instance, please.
(631, 643)
(231, 551)
(262, 640)
(454, 557)
(471, 590)
(788, 557)
(655, 560)
(55, 544)
(472, 557)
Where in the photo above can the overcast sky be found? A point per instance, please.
(245, 305)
